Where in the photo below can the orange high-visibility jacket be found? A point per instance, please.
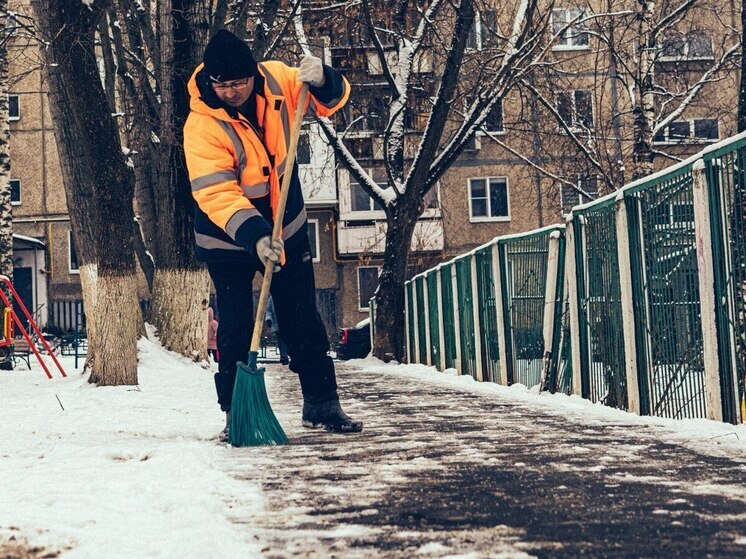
(232, 168)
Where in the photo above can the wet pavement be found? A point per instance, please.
(444, 472)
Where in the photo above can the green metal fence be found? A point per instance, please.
(419, 287)
(726, 179)
(628, 327)
(411, 325)
(465, 294)
(562, 381)
(434, 316)
(600, 315)
(449, 320)
(487, 313)
(665, 283)
(524, 283)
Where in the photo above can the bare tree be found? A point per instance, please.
(401, 33)
(98, 182)
(643, 69)
(156, 46)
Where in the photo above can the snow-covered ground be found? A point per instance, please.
(119, 472)
(137, 471)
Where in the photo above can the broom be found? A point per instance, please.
(252, 421)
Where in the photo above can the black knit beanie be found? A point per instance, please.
(228, 58)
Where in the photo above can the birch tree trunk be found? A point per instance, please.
(6, 213)
(98, 183)
(644, 111)
(742, 90)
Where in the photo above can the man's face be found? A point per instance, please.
(234, 92)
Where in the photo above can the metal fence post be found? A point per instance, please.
(426, 303)
(407, 325)
(628, 313)
(416, 320)
(456, 317)
(477, 325)
(572, 283)
(372, 318)
(550, 296)
(497, 265)
(706, 276)
(725, 178)
(441, 322)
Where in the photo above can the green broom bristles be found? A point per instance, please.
(252, 421)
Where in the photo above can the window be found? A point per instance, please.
(374, 62)
(14, 107)
(15, 192)
(573, 36)
(692, 46)
(689, 131)
(303, 153)
(422, 64)
(430, 200)
(320, 46)
(360, 201)
(572, 197)
(376, 114)
(367, 283)
(313, 238)
(576, 108)
(417, 113)
(494, 120)
(706, 129)
(488, 199)
(484, 31)
(73, 257)
(674, 214)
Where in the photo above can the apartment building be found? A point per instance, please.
(45, 270)
(522, 170)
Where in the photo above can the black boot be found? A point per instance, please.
(329, 415)
(223, 435)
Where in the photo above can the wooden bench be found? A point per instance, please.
(21, 352)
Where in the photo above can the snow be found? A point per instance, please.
(702, 435)
(137, 472)
(31, 240)
(125, 460)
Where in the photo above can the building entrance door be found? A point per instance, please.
(23, 282)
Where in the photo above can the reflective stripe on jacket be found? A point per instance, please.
(230, 164)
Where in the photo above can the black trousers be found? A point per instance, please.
(301, 328)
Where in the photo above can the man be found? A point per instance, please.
(236, 139)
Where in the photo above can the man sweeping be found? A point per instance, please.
(236, 141)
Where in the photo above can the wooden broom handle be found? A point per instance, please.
(261, 306)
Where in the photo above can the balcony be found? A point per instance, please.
(369, 237)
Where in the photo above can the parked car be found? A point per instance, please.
(354, 342)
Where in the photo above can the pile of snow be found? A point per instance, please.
(123, 471)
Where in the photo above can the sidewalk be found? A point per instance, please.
(442, 471)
